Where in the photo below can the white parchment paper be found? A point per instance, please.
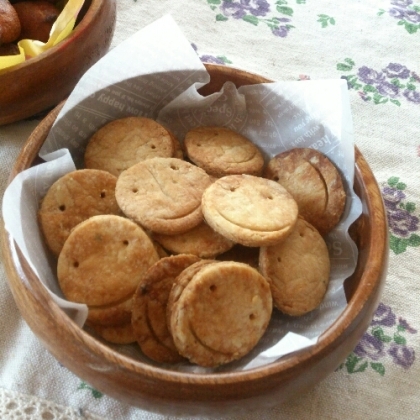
(156, 73)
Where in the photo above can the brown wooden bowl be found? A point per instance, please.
(42, 82)
(165, 391)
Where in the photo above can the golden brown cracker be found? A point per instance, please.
(314, 182)
(221, 313)
(249, 210)
(73, 198)
(201, 240)
(124, 142)
(297, 269)
(103, 260)
(163, 194)
(149, 308)
(221, 151)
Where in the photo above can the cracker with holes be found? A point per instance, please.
(314, 182)
(149, 308)
(221, 313)
(221, 151)
(298, 270)
(103, 260)
(163, 194)
(124, 142)
(249, 210)
(72, 199)
(201, 240)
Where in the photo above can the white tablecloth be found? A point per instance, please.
(374, 45)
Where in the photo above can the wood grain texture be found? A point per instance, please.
(169, 392)
(42, 82)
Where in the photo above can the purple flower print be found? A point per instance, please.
(404, 324)
(402, 355)
(370, 76)
(211, 59)
(392, 198)
(370, 346)
(388, 89)
(396, 13)
(402, 223)
(239, 9)
(401, 3)
(393, 70)
(412, 96)
(384, 316)
(412, 16)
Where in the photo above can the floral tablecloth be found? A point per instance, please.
(374, 45)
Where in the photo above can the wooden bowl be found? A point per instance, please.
(165, 391)
(42, 82)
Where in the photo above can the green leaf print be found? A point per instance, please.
(285, 10)
(346, 66)
(410, 27)
(378, 332)
(96, 394)
(352, 364)
(378, 367)
(398, 245)
(251, 19)
(326, 20)
(221, 18)
(414, 240)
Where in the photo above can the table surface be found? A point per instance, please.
(374, 45)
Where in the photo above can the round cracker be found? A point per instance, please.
(249, 210)
(222, 301)
(72, 199)
(149, 308)
(103, 260)
(124, 142)
(298, 270)
(163, 194)
(111, 315)
(117, 334)
(314, 182)
(201, 240)
(221, 151)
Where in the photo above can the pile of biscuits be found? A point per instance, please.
(186, 248)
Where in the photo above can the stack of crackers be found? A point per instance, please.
(186, 248)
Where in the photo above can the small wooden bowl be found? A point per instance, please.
(161, 390)
(42, 82)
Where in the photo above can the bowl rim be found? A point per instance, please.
(90, 12)
(327, 341)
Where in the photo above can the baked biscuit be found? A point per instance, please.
(221, 313)
(111, 315)
(103, 260)
(249, 210)
(118, 334)
(315, 184)
(240, 253)
(149, 308)
(124, 142)
(179, 285)
(163, 194)
(201, 240)
(298, 270)
(72, 199)
(221, 151)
